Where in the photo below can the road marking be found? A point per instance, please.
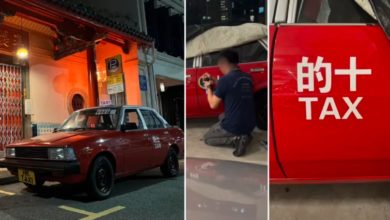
(92, 215)
(7, 193)
(71, 209)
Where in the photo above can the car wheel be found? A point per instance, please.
(100, 179)
(38, 185)
(261, 110)
(170, 168)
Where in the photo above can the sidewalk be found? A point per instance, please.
(5, 176)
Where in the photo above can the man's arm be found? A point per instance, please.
(213, 100)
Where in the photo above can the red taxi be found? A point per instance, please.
(96, 146)
(330, 86)
(253, 60)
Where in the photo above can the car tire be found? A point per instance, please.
(100, 180)
(38, 185)
(261, 109)
(170, 168)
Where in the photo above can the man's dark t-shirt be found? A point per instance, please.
(235, 89)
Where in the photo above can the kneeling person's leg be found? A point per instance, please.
(217, 136)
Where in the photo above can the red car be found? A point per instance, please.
(253, 58)
(96, 146)
(330, 91)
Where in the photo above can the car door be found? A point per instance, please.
(253, 60)
(159, 137)
(192, 109)
(207, 65)
(135, 133)
(330, 93)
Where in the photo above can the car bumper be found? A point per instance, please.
(46, 168)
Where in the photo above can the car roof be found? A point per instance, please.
(121, 107)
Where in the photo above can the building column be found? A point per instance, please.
(92, 77)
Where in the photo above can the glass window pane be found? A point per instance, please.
(132, 119)
(332, 11)
(149, 120)
(158, 122)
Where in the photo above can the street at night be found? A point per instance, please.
(147, 195)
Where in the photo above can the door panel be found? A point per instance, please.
(159, 144)
(191, 93)
(329, 147)
(137, 139)
(135, 145)
(275, 170)
(258, 72)
(204, 107)
(158, 138)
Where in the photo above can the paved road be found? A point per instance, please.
(196, 128)
(144, 196)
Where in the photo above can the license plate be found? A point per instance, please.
(27, 176)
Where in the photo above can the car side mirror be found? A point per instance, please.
(55, 130)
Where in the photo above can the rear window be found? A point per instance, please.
(250, 52)
(332, 11)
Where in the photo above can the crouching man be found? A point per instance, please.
(235, 89)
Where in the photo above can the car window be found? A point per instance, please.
(332, 11)
(250, 52)
(157, 120)
(132, 120)
(190, 62)
(151, 120)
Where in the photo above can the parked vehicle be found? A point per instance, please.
(96, 146)
(253, 60)
(330, 91)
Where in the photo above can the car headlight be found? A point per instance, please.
(10, 152)
(61, 153)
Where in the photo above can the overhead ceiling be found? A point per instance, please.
(26, 24)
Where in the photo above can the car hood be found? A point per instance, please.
(59, 138)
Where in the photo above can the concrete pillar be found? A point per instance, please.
(92, 77)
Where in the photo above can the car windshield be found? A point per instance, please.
(92, 119)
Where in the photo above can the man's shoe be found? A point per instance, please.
(240, 144)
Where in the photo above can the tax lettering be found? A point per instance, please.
(310, 74)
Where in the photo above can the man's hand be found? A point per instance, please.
(207, 80)
(213, 100)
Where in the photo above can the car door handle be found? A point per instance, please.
(166, 132)
(257, 70)
(146, 135)
(188, 76)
